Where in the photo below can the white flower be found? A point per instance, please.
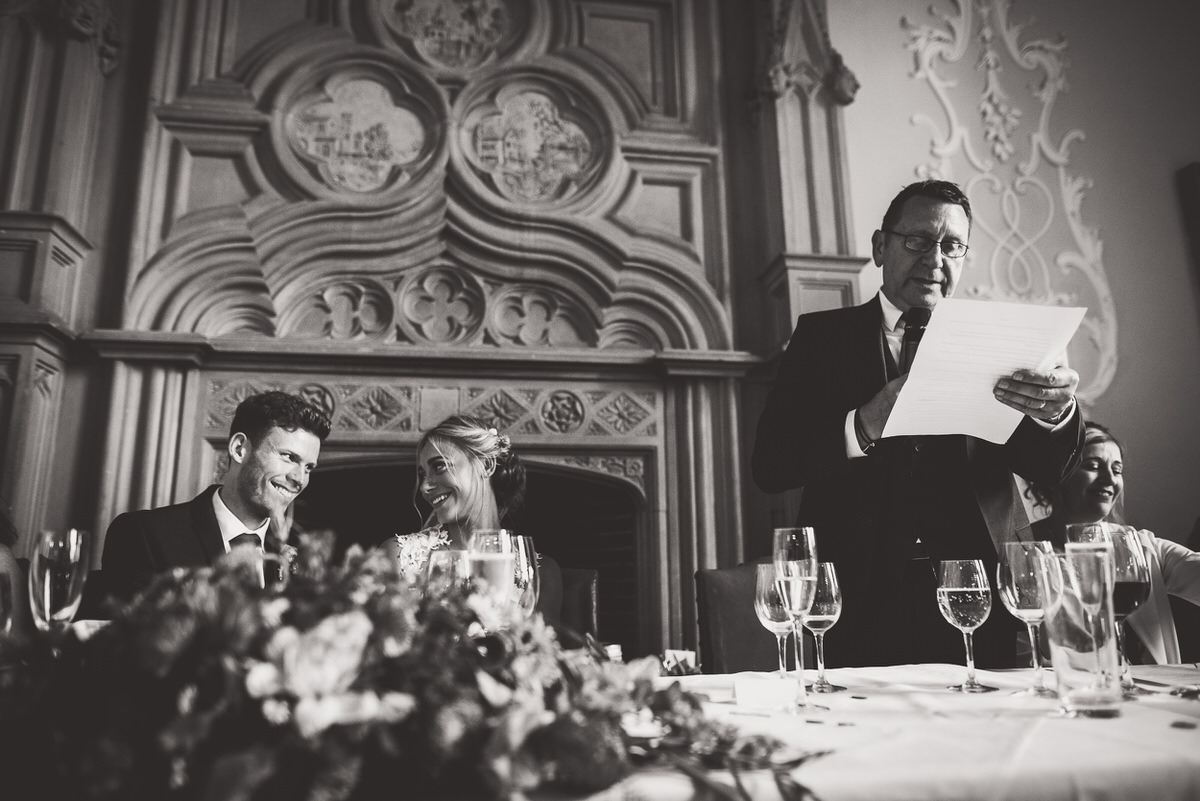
(325, 659)
(315, 715)
(276, 711)
(263, 679)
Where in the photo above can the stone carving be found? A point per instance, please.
(500, 409)
(378, 408)
(531, 317)
(350, 310)
(452, 34)
(358, 138)
(442, 305)
(801, 56)
(529, 146)
(628, 468)
(1029, 242)
(562, 412)
(624, 414)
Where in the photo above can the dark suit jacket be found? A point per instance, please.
(955, 493)
(141, 544)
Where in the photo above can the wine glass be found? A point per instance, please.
(772, 610)
(965, 599)
(795, 556)
(445, 570)
(6, 603)
(1130, 590)
(57, 572)
(825, 610)
(526, 578)
(1017, 580)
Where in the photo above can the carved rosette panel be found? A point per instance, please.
(442, 306)
(533, 141)
(566, 411)
(453, 37)
(362, 131)
(1029, 241)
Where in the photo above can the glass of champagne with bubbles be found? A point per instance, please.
(825, 610)
(772, 610)
(965, 599)
(1017, 581)
(795, 554)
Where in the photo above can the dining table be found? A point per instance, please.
(897, 733)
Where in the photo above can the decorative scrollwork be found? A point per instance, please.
(1031, 238)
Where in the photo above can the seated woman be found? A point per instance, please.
(12, 575)
(1092, 494)
(471, 479)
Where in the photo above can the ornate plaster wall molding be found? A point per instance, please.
(1030, 241)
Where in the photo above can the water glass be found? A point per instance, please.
(57, 572)
(1017, 582)
(771, 610)
(526, 578)
(1081, 630)
(446, 570)
(965, 600)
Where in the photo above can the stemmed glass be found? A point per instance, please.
(491, 557)
(1017, 580)
(445, 570)
(965, 599)
(526, 578)
(1130, 590)
(6, 603)
(795, 554)
(825, 610)
(772, 610)
(57, 572)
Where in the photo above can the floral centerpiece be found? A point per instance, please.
(346, 683)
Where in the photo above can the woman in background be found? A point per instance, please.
(12, 575)
(1093, 493)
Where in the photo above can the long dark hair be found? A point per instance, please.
(1049, 497)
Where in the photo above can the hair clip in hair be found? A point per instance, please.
(492, 431)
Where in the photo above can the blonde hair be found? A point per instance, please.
(486, 447)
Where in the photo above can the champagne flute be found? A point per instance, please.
(965, 599)
(1017, 580)
(492, 559)
(1130, 590)
(57, 572)
(795, 556)
(825, 610)
(526, 578)
(772, 610)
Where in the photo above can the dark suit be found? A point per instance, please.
(141, 544)
(954, 493)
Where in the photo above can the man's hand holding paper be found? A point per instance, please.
(975, 353)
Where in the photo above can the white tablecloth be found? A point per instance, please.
(898, 733)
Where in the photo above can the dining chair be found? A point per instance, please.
(731, 638)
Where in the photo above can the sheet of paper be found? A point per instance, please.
(967, 347)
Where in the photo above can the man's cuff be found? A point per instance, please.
(852, 449)
(1055, 425)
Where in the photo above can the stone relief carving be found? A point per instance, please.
(382, 408)
(533, 317)
(802, 58)
(453, 34)
(531, 144)
(442, 306)
(358, 138)
(1030, 242)
(627, 468)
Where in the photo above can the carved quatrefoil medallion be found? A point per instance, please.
(442, 306)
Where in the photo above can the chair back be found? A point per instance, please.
(731, 638)
(581, 588)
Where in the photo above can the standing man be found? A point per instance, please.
(274, 443)
(886, 511)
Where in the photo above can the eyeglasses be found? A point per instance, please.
(923, 244)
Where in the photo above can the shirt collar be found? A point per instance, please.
(891, 314)
(229, 524)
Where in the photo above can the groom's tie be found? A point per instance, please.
(915, 320)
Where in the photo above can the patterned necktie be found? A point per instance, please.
(242, 540)
(915, 320)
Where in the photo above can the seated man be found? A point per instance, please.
(274, 443)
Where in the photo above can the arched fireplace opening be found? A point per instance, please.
(579, 518)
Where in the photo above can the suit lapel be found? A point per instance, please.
(865, 346)
(205, 529)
